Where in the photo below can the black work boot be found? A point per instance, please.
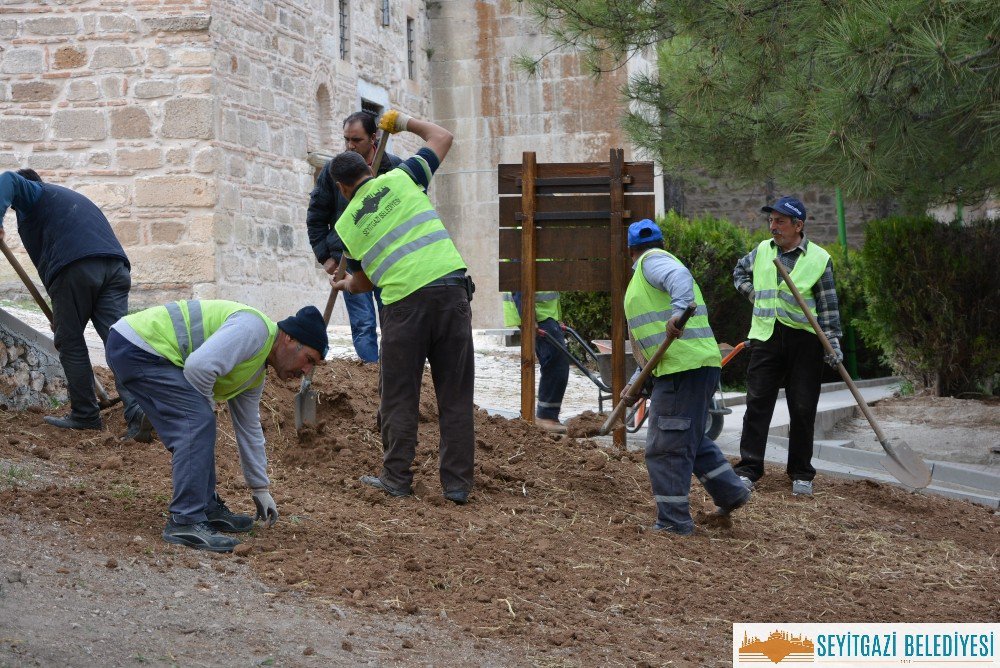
(458, 496)
(200, 536)
(221, 518)
(70, 422)
(377, 483)
(139, 429)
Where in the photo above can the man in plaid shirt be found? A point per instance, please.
(784, 349)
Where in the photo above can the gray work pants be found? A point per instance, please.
(184, 419)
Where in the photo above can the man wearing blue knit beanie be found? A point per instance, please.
(181, 358)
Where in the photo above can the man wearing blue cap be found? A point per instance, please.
(684, 381)
(181, 358)
(785, 350)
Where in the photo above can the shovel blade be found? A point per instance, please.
(305, 408)
(905, 465)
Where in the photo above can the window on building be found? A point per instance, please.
(345, 30)
(371, 107)
(385, 13)
(411, 48)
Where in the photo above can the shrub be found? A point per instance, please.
(848, 272)
(932, 293)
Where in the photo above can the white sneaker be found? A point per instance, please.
(747, 482)
(802, 488)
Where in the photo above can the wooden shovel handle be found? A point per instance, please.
(846, 377)
(28, 283)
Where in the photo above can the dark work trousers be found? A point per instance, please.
(676, 447)
(554, 367)
(793, 359)
(95, 290)
(183, 418)
(432, 324)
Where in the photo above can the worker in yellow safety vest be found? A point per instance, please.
(552, 362)
(396, 241)
(784, 349)
(683, 383)
(178, 360)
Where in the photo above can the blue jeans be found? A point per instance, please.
(676, 447)
(184, 419)
(361, 313)
(555, 370)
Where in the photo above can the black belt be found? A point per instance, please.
(464, 281)
(444, 282)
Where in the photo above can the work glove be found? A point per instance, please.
(394, 121)
(837, 357)
(267, 509)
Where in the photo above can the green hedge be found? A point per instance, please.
(932, 292)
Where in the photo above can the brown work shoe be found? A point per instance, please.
(553, 426)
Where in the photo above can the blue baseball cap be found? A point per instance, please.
(787, 206)
(643, 232)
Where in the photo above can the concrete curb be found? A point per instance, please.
(741, 399)
(838, 459)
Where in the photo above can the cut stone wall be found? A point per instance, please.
(497, 111)
(189, 123)
(30, 372)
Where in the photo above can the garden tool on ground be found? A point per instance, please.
(103, 400)
(615, 419)
(902, 463)
(306, 398)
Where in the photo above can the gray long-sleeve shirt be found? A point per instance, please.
(240, 338)
(665, 273)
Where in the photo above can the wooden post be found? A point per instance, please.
(618, 333)
(528, 325)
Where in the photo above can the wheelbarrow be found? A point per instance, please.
(635, 417)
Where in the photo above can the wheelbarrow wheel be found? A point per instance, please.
(713, 425)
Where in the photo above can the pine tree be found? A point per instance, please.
(885, 98)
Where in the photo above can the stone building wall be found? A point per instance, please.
(190, 124)
(497, 111)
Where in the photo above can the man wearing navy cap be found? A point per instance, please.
(684, 381)
(181, 358)
(785, 351)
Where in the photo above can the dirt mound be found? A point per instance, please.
(585, 425)
(553, 554)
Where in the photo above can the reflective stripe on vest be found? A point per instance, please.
(546, 306)
(774, 301)
(175, 330)
(647, 310)
(394, 231)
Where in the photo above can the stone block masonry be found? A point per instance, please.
(30, 373)
(190, 122)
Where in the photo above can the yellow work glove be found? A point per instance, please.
(393, 121)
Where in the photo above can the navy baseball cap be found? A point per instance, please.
(643, 232)
(787, 206)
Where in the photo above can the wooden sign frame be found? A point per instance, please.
(563, 228)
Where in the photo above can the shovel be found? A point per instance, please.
(306, 399)
(903, 463)
(103, 400)
(616, 415)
